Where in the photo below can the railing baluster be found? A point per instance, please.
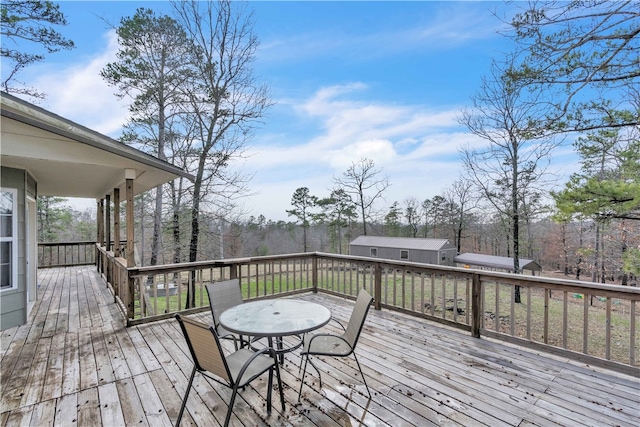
(565, 314)
(467, 305)
(528, 312)
(444, 296)
(512, 313)
(585, 322)
(496, 319)
(455, 299)
(433, 294)
(608, 331)
(632, 334)
(404, 291)
(546, 317)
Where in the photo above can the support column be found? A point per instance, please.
(101, 222)
(130, 176)
(116, 222)
(107, 221)
(131, 262)
(100, 234)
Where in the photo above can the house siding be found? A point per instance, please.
(13, 302)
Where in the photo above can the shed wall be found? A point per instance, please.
(415, 255)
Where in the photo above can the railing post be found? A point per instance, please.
(377, 287)
(131, 295)
(233, 271)
(476, 304)
(314, 273)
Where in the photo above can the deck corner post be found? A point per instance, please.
(130, 297)
(314, 273)
(476, 304)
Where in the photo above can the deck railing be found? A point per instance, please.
(580, 320)
(66, 254)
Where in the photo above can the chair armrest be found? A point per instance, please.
(253, 357)
(233, 337)
(339, 323)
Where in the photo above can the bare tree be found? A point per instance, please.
(511, 168)
(413, 214)
(225, 101)
(433, 210)
(362, 181)
(461, 200)
(583, 57)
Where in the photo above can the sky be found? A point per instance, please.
(381, 80)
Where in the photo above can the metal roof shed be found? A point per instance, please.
(429, 251)
(497, 262)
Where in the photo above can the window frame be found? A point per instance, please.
(373, 252)
(13, 239)
(404, 251)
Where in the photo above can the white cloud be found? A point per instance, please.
(416, 147)
(78, 92)
(379, 150)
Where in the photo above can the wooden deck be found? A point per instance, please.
(74, 363)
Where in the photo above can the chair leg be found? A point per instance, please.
(362, 374)
(317, 370)
(186, 395)
(230, 409)
(303, 372)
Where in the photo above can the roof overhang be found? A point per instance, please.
(70, 160)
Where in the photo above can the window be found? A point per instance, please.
(8, 238)
(374, 252)
(404, 254)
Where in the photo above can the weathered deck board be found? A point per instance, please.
(75, 363)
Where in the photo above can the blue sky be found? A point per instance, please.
(383, 80)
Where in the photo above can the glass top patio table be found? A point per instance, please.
(276, 317)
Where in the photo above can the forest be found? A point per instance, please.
(571, 80)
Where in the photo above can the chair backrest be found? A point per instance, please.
(356, 322)
(223, 295)
(205, 347)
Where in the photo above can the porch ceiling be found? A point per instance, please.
(69, 160)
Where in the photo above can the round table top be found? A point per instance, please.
(275, 317)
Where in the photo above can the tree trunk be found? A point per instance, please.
(625, 275)
(195, 232)
(157, 222)
(565, 251)
(596, 256)
(516, 227)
